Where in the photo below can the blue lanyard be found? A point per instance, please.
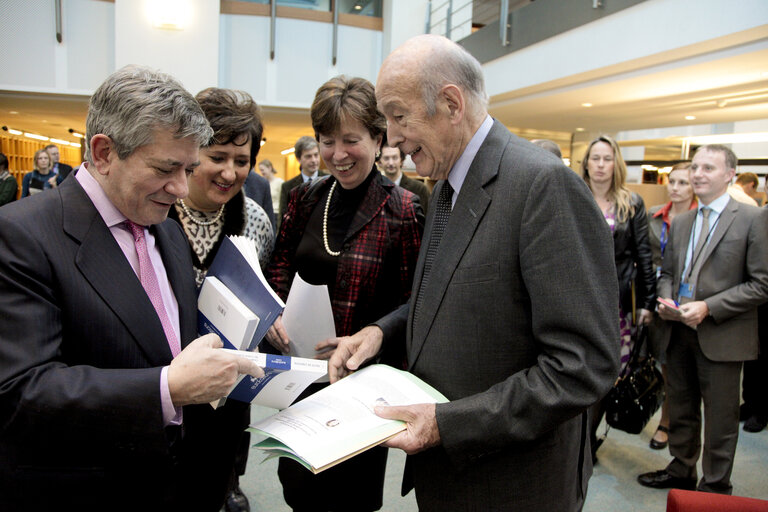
(663, 238)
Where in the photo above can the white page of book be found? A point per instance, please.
(339, 419)
(307, 318)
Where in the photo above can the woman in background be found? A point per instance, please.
(604, 171)
(660, 219)
(359, 234)
(268, 171)
(38, 180)
(216, 207)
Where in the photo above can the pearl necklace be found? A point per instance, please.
(201, 222)
(325, 222)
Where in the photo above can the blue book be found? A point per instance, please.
(236, 267)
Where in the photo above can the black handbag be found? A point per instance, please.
(638, 393)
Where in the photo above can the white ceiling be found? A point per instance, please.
(725, 82)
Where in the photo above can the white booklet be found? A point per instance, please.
(284, 379)
(308, 318)
(338, 421)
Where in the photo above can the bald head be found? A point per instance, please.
(432, 93)
(439, 62)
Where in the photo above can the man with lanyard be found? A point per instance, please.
(715, 267)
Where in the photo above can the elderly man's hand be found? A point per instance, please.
(421, 430)
(352, 351)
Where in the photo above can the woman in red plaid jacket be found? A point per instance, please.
(359, 234)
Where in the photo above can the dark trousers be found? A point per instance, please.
(355, 485)
(755, 382)
(691, 379)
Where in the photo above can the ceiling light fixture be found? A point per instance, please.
(690, 118)
(579, 129)
(587, 105)
(728, 138)
(59, 141)
(35, 136)
(286, 151)
(76, 134)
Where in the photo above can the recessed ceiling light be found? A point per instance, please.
(586, 105)
(579, 129)
(690, 118)
(12, 112)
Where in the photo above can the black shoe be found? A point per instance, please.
(236, 501)
(755, 424)
(663, 480)
(659, 445)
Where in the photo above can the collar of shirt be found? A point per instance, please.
(111, 215)
(305, 178)
(717, 206)
(399, 179)
(458, 172)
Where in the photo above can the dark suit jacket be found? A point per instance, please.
(257, 188)
(289, 185)
(417, 187)
(733, 279)
(82, 349)
(520, 341)
(63, 172)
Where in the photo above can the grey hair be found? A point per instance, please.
(452, 64)
(134, 101)
(305, 143)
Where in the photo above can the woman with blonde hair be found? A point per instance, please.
(39, 179)
(604, 170)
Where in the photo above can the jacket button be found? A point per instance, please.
(343, 284)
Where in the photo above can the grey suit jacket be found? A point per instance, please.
(82, 351)
(733, 279)
(518, 330)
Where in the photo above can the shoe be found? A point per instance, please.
(745, 412)
(659, 445)
(663, 480)
(236, 501)
(755, 424)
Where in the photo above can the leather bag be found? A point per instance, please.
(638, 393)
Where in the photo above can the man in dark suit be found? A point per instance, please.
(715, 267)
(257, 188)
(391, 163)
(512, 313)
(308, 155)
(60, 170)
(104, 394)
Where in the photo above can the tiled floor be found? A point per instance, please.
(612, 487)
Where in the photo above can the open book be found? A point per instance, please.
(338, 421)
(235, 301)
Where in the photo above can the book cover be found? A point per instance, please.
(284, 379)
(222, 313)
(338, 421)
(236, 266)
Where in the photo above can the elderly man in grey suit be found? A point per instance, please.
(715, 267)
(514, 303)
(104, 385)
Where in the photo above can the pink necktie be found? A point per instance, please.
(149, 282)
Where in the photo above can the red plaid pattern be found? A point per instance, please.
(378, 263)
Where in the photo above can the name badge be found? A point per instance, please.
(686, 290)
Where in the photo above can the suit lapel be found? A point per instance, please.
(179, 270)
(375, 198)
(103, 264)
(723, 223)
(471, 204)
